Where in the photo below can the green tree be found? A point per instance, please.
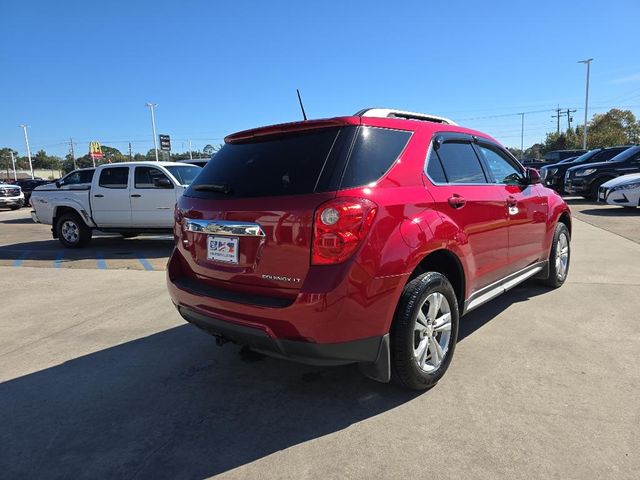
(616, 127)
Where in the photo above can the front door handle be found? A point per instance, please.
(98, 195)
(136, 195)
(456, 201)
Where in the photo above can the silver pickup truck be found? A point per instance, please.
(126, 198)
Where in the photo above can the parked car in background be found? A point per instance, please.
(368, 251)
(587, 178)
(11, 196)
(623, 191)
(28, 185)
(125, 198)
(553, 175)
(552, 158)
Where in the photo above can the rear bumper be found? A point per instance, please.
(362, 351)
(336, 310)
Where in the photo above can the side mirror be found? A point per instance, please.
(58, 183)
(533, 176)
(162, 182)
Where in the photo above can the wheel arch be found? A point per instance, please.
(448, 264)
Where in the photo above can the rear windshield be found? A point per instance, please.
(300, 163)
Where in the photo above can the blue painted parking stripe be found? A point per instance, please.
(18, 261)
(145, 263)
(57, 263)
(102, 265)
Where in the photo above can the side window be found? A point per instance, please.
(434, 168)
(86, 176)
(114, 177)
(148, 177)
(501, 168)
(72, 178)
(460, 163)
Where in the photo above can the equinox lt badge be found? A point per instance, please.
(281, 278)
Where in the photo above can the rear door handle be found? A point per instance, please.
(98, 195)
(456, 201)
(136, 195)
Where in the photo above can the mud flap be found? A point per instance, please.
(380, 370)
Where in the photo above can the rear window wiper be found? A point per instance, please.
(212, 187)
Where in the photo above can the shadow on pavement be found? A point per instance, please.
(476, 319)
(173, 405)
(17, 221)
(106, 247)
(612, 212)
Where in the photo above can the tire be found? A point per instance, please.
(15, 207)
(559, 269)
(412, 366)
(72, 231)
(595, 186)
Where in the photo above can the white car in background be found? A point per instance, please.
(623, 191)
(128, 198)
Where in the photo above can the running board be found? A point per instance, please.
(497, 288)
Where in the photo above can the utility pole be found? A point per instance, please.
(153, 126)
(190, 154)
(522, 138)
(130, 154)
(26, 141)
(586, 102)
(558, 115)
(13, 162)
(569, 117)
(73, 155)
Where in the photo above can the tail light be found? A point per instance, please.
(339, 226)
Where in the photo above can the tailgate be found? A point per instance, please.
(262, 242)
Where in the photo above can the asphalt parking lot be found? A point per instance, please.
(100, 377)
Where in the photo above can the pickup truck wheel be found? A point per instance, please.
(72, 231)
(559, 258)
(424, 332)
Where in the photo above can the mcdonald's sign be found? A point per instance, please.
(95, 150)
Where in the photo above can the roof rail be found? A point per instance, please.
(390, 113)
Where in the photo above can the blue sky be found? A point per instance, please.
(85, 69)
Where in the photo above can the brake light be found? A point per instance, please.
(339, 226)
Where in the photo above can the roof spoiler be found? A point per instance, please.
(390, 113)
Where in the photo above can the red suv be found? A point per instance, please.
(361, 239)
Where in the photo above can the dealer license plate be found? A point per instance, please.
(222, 249)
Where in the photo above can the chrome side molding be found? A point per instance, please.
(224, 227)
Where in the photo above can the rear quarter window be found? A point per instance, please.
(375, 150)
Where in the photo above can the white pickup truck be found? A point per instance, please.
(126, 198)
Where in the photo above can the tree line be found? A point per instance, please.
(42, 161)
(615, 127)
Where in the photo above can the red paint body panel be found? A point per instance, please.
(357, 299)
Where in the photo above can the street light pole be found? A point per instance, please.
(522, 138)
(26, 141)
(13, 162)
(190, 154)
(586, 102)
(153, 126)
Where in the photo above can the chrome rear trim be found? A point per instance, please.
(224, 227)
